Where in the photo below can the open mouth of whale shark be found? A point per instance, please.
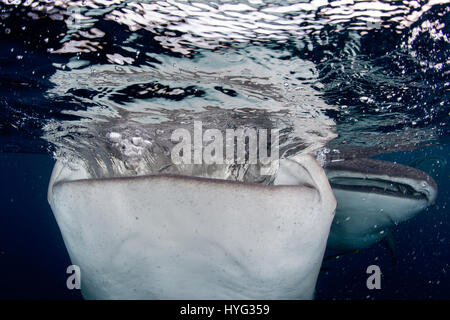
(383, 178)
(380, 186)
(373, 197)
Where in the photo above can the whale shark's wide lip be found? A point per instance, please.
(79, 174)
(181, 177)
(382, 177)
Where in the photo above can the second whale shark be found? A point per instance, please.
(373, 197)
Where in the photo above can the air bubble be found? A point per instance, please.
(115, 136)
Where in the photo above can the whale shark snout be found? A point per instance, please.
(179, 237)
(373, 196)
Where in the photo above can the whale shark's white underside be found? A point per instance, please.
(172, 237)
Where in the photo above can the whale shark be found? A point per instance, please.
(373, 197)
(182, 237)
(165, 236)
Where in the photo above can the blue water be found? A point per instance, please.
(33, 259)
(379, 85)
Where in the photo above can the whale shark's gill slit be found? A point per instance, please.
(386, 187)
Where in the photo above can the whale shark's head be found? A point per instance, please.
(181, 237)
(373, 196)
